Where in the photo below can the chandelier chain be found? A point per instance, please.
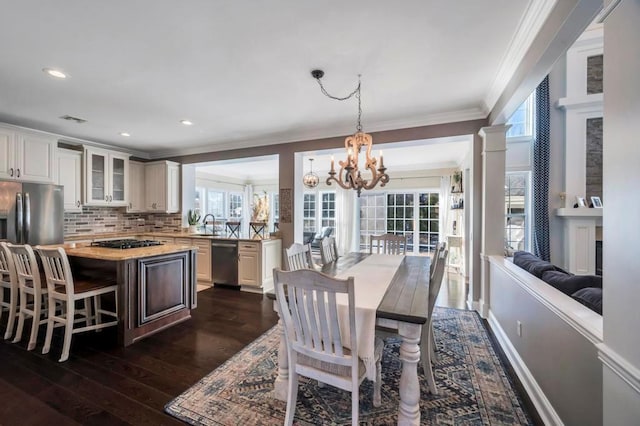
(356, 92)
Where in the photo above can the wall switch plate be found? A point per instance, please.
(519, 328)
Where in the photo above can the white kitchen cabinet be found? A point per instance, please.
(203, 257)
(249, 263)
(106, 177)
(162, 186)
(28, 157)
(136, 187)
(69, 175)
(256, 260)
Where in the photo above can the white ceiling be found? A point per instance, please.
(240, 70)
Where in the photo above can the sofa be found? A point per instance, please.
(314, 239)
(586, 289)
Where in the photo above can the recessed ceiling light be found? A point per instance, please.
(125, 134)
(55, 73)
(187, 122)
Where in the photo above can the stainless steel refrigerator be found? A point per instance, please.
(31, 213)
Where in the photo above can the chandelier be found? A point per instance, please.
(350, 175)
(310, 180)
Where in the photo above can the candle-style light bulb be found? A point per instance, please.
(381, 160)
(332, 168)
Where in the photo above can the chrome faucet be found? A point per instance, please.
(213, 223)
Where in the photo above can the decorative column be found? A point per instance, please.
(494, 147)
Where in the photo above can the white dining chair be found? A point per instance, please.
(427, 341)
(64, 290)
(314, 344)
(328, 250)
(33, 292)
(8, 284)
(388, 244)
(298, 256)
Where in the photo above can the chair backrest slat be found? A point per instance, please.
(436, 279)
(57, 270)
(26, 266)
(310, 313)
(298, 256)
(8, 277)
(388, 244)
(328, 250)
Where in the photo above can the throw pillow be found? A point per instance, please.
(590, 297)
(531, 263)
(569, 284)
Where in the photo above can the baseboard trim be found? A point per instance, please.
(483, 309)
(620, 366)
(545, 410)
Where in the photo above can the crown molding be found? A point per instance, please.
(532, 20)
(280, 138)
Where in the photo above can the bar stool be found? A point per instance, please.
(30, 286)
(9, 281)
(63, 289)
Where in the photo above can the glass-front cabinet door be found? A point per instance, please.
(119, 171)
(106, 176)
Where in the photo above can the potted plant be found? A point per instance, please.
(193, 217)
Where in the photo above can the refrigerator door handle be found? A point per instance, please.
(19, 218)
(27, 217)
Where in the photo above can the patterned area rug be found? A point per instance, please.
(473, 386)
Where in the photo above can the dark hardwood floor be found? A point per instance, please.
(104, 384)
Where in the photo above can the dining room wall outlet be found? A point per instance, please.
(519, 328)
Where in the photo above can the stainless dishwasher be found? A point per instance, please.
(224, 262)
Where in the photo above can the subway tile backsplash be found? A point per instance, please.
(98, 220)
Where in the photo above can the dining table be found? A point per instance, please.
(402, 308)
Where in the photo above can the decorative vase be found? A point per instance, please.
(193, 229)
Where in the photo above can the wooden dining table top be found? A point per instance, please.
(407, 296)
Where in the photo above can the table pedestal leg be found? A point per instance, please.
(409, 410)
(280, 386)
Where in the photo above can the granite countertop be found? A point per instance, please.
(103, 253)
(181, 234)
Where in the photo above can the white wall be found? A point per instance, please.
(621, 162)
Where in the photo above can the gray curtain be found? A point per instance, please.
(541, 172)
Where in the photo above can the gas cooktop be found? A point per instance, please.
(125, 244)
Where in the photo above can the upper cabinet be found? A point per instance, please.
(106, 177)
(70, 176)
(162, 186)
(28, 157)
(136, 187)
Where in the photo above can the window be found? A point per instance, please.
(400, 214)
(428, 221)
(413, 214)
(517, 226)
(372, 217)
(328, 209)
(235, 206)
(215, 203)
(309, 213)
(522, 120)
(275, 206)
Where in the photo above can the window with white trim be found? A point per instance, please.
(521, 120)
(328, 209)
(309, 213)
(215, 203)
(516, 194)
(235, 206)
(373, 215)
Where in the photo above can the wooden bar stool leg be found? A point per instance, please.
(68, 330)
(13, 306)
(35, 324)
(50, 324)
(23, 306)
(98, 308)
(87, 311)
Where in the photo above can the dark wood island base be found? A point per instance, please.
(156, 285)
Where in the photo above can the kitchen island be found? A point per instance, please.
(156, 285)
